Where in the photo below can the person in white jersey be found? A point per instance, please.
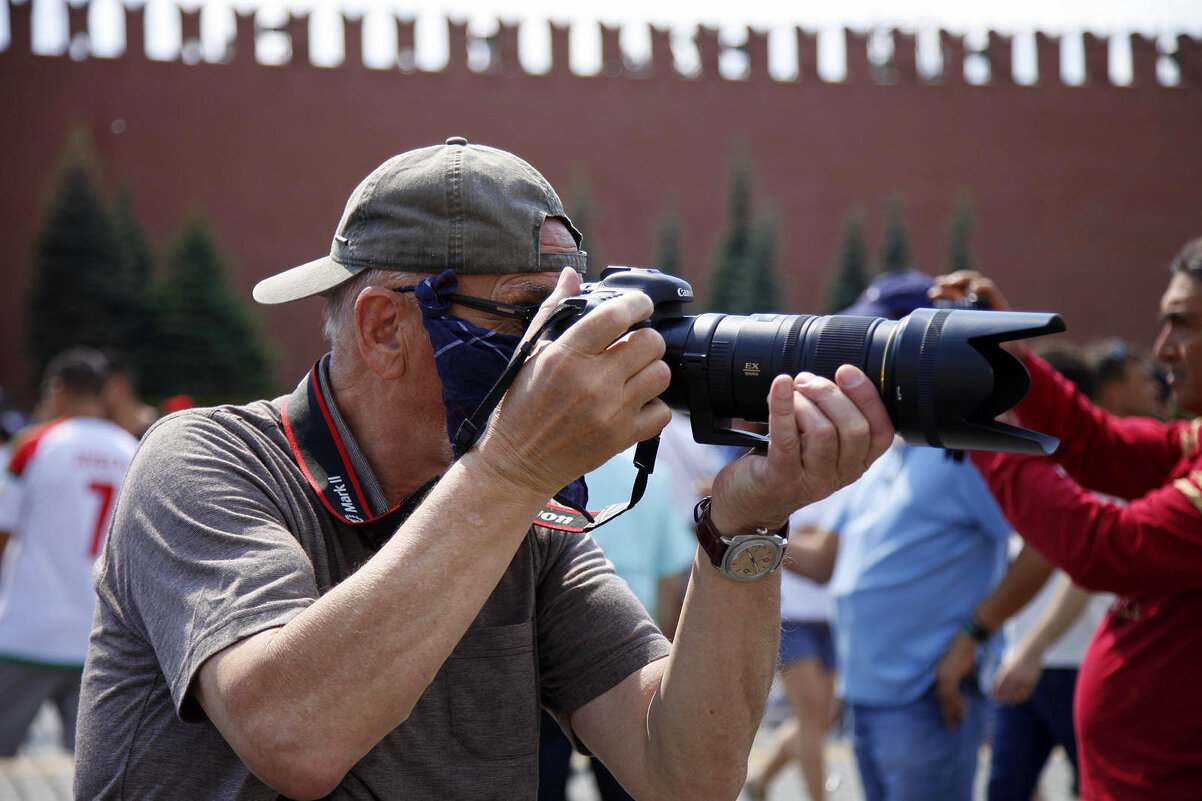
(55, 507)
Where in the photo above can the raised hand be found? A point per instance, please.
(823, 435)
(581, 398)
(968, 283)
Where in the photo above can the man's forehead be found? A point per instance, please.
(1183, 293)
(538, 283)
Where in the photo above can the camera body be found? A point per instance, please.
(667, 292)
(941, 373)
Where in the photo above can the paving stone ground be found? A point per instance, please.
(42, 771)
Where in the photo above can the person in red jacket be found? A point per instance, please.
(1138, 702)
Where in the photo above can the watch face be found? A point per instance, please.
(750, 560)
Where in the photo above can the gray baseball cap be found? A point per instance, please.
(472, 208)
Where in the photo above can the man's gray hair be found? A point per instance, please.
(1189, 260)
(340, 301)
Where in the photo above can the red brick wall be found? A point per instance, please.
(1082, 194)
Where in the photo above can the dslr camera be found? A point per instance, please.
(941, 372)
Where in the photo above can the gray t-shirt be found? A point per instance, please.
(217, 536)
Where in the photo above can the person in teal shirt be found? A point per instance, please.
(651, 547)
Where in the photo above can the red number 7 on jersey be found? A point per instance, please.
(105, 491)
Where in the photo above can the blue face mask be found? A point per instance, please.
(470, 359)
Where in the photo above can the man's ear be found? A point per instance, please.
(56, 396)
(386, 328)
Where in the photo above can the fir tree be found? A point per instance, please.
(726, 291)
(763, 286)
(208, 344)
(579, 207)
(76, 293)
(895, 248)
(667, 246)
(135, 278)
(850, 274)
(959, 228)
(743, 280)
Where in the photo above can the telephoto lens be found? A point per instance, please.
(942, 373)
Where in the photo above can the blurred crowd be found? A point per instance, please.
(923, 615)
(915, 620)
(64, 462)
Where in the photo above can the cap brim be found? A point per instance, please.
(305, 281)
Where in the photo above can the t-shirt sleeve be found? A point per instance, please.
(199, 550)
(592, 631)
(677, 544)
(977, 498)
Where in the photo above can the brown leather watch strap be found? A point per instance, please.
(712, 542)
(707, 534)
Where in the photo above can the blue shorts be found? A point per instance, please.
(800, 640)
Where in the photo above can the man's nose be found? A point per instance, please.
(1165, 348)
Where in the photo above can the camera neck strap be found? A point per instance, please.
(556, 516)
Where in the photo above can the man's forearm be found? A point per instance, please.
(811, 553)
(318, 693)
(1027, 574)
(669, 599)
(1064, 607)
(704, 718)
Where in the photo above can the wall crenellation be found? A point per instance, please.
(297, 29)
(904, 61)
(1188, 56)
(499, 52)
(77, 20)
(1097, 60)
(257, 120)
(1000, 54)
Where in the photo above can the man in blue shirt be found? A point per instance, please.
(918, 588)
(921, 544)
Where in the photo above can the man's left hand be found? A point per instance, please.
(955, 666)
(822, 435)
(1017, 677)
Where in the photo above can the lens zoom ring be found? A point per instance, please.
(925, 384)
(840, 340)
(789, 355)
(721, 382)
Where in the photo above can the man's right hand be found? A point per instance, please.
(968, 283)
(822, 435)
(956, 665)
(1017, 677)
(581, 398)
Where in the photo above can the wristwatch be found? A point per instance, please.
(743, 557)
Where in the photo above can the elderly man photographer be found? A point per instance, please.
(313, 596)
(1138, 707)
